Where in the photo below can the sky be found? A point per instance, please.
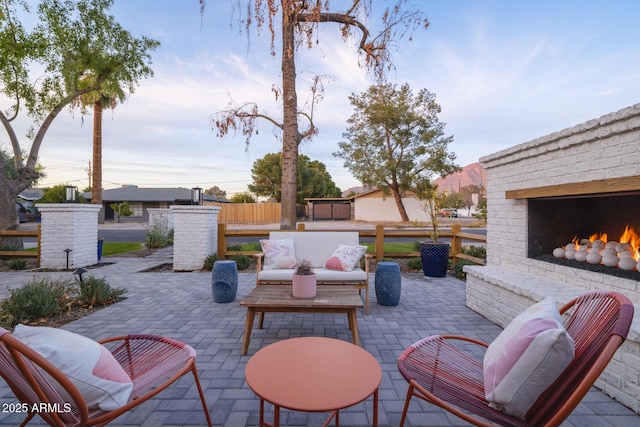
(503, 72)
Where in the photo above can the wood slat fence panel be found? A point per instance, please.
(248, 213)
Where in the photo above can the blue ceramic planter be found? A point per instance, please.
(435, 259)
(388, 283)
(224, 281)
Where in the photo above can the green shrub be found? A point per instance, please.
(159, 237)
(94, 291)
(208, 262)
(242, 261)
(16, 264)
(415, 264)
(41, 297)
(457, 268)
(10, 245)
(476, 251)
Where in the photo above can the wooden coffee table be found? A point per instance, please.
(279, 299)
(313, 374)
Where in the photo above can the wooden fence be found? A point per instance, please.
(379, 234)
(19, 234)
(249, 213)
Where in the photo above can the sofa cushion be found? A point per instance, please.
(345, 257)
(278, 253)
(317, 246)
(322, 274)
(526, 358)
(89, 365)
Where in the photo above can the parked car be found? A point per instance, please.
(449, 212)
(23, 214)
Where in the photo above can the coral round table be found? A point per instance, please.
(313, 374)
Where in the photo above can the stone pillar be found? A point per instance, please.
(160, 219)
(195, 235)
(71, 226)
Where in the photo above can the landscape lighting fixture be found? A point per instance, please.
(196, 196)
(70, 193)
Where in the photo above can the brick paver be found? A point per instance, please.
(180, 305)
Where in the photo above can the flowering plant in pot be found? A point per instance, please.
(304, 281)
(434, 255)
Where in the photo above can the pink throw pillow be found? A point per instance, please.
(89, 365)
(526, 358)
(345, 257)
(278, 254)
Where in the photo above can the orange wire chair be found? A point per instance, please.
(441, 371)
(153, 363)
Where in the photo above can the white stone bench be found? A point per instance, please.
(500, 294)
(317, 247)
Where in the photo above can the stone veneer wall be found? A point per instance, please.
(160, 218)
(599, 149)
(68, 226)
(195, 235)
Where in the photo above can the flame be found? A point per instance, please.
(596, 236)
(631, 237)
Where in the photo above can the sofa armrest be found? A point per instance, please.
(258, 258)
(367, 259)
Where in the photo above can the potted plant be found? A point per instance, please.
(304, 281)
(434, 255)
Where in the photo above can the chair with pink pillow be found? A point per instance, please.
(149, 364)
(535, 374)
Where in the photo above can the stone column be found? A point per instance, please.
(71, 226)
(195, 235)
(160, 219)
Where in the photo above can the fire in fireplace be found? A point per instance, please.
(598, 249)
(571, 223)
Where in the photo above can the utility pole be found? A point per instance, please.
(90, 174)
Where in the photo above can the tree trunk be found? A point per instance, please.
(8, 214)
(290, 133)
(96, 187)
(401, 209)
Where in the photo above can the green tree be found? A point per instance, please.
(58, 194)
(312, 175)
(394, 138)
(243, 198)
(215, 191)
(298, 21)
(121, 209)
(45, 68)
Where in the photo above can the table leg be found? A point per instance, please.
(353, 324)
(375, 408)
(251, 314)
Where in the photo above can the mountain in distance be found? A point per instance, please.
(473, 174)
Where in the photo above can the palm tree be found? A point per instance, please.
(109, 97)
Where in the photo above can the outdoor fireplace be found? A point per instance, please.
(556, 222)
(540, 195)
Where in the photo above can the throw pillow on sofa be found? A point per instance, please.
(278, 254)
(345, 257)
(94, 371)
(526, 358)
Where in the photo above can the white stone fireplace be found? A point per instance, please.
(569, 182)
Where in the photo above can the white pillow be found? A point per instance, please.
(345, 257)
(526, 358)
(278, 254)
(88, 365)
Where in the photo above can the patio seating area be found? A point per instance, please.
(180, 306)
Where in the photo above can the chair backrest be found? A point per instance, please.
(31, 377)
(598, 322)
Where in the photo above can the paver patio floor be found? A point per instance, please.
(180, 305)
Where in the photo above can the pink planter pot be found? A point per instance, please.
(304, 286)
